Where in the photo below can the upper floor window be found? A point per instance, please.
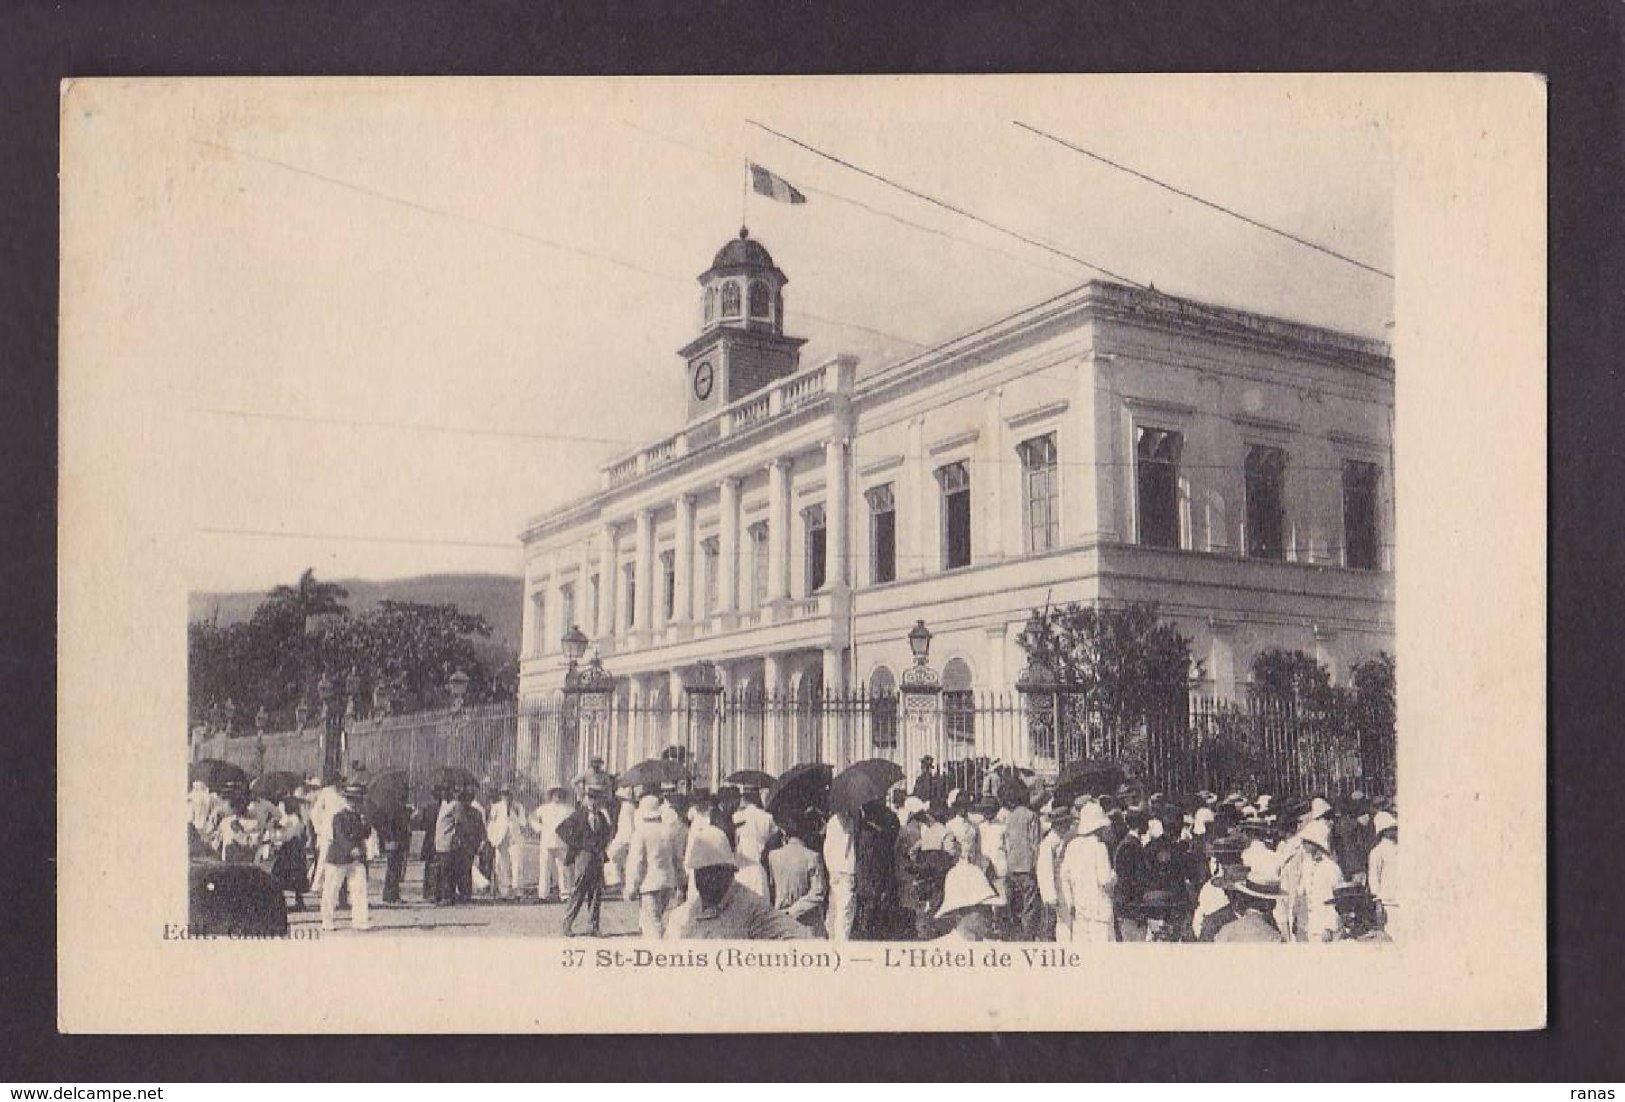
(668, 585)
(710, 304)
(710, 551)
(813, 518)
(1042, 502)
(567, 608)
(1361, 531)
(730, 299)
(882, 534)
(1266, 508)
(592, 605)
(629, 582)
(538, 625)
(758, 564)
(760, 306)
(955, 482)
(1156, 470)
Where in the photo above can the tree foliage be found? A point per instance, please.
(1123, 662)
(1292, 680)
(275, 659)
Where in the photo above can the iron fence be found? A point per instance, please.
(1190, 744)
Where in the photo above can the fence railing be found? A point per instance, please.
(1189, 745)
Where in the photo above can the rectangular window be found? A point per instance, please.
(813, 519)
(955, 482)
(538, 625)
(1156, 471)
(630, 584)
(1266, 510)
(594, 627)
(668, 584)
(882, 534)
(1039, 461)
(710, 551)
(567, 608)
(1361, 532)
(758, 565)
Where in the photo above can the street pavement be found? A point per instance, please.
(482, 918)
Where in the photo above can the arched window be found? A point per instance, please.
(958, 702)
(759, 304)
(883, 709)
(710, 304)
(730, 299)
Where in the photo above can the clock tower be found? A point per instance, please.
(741, 347)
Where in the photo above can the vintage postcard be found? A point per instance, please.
(802, 553)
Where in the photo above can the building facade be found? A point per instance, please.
(1106, 446)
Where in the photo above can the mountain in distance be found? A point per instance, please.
(497, 597)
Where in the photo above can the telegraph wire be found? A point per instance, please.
(963, 213)
(261, 415)
(1198, 199)
(334, 537)
(497, 227)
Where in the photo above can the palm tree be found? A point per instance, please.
(311, 598)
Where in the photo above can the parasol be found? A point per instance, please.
(387, 794)
(276, 785)
(654, 771)
(1087, 778)
(217, 774)
(750, 778)
(454, 776)
(860, 783)
(803, 786)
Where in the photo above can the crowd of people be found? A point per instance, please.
(1015, 859)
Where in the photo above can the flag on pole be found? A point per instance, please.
(763, 182)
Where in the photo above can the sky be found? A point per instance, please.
(399, 317)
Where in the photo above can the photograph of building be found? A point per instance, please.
(1108, 445)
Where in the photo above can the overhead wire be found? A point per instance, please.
(1193, 197)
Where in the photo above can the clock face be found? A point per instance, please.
(704, 377)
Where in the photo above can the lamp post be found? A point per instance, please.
(921, 690)
(586, 697)
(1043, 693)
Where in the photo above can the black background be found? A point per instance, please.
(1577, 44)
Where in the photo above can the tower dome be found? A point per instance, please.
(743, 288)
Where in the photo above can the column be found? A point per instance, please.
(837, 516)
(917, 509)
(606, 582)
(643, 572)
(556, 627)
(728, 547)
(778, 529)
(774, 725)
(682, 579)
(1101, 468)
(988, 482)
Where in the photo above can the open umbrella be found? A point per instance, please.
(802, 786)
(654, 771)
(1087, 778)
(454, 776)
(276, 785)
(216, 773)
(750, 778)
(387, 794)
(862, 782)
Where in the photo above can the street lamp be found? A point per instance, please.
(457, 685)
(919, 641)
(575, 645)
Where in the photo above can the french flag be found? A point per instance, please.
(763, 182)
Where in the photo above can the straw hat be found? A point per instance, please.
(1262, 879)
(1382, 821)
(649, 807)
(1091, 818)
(965, 887)
(1318, 832)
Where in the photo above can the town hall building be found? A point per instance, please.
(1108, 445)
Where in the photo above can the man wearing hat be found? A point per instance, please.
(1021, 840)
(1382, 869)
(753, 830)
(344, 861)
(1314, 876)
(1213, 907)
(967, 902)
(651, 869)
(505, 831)
(930, 786)
(721, 909)
(1087, 878)
(1132, 869)
(588, 832)
(593, 774)
(1057, 918)
(1360, 917)
(1253, 896)
(799, 886)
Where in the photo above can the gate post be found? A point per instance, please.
(1041, 693)
(704, 694)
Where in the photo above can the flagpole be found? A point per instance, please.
(744, 195)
